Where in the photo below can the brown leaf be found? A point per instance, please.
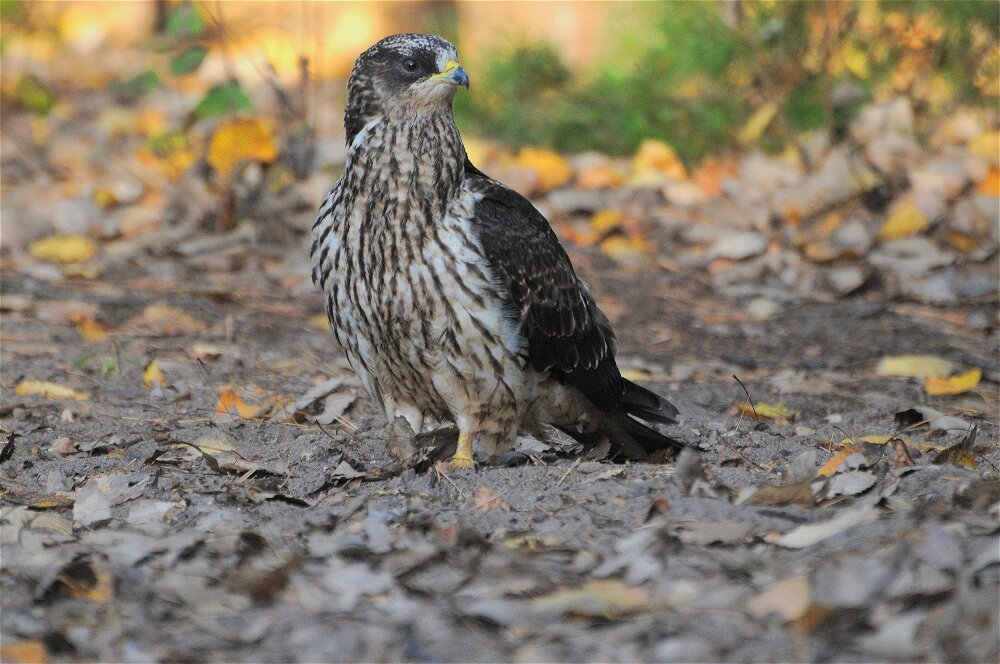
(595, 599)
(789, 494)
(789, 599)
(24, 652)
(486, 499)
(902, 457)
(18, 493)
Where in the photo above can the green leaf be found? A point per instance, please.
(35, 95)
(185, 21)
(138, 85)
(83, 359)
(223, 99)
(188, 60)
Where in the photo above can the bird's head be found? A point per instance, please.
(407, 73)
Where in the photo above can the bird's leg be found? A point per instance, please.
(463, 454)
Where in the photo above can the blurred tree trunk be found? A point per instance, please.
(160, 16)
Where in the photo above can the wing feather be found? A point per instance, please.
(566, 332)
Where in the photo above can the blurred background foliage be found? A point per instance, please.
(705, 77)
(712, 75)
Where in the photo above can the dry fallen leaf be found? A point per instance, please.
(758, 122)
(169, 321)
(230, 404)
(901, 457)
(800, 493)
(768, 410)
(913, 366)
(238, 140)
(844, 459)
(486, 499)
(789, 599)
(48, 390)
(551, 168)
(809, 534)
(22, 495)
(24, 652)
(656, 156)
(595, 599)
(885, 439)
(64, 248)
(905, 221)
(153, 375)
(91, 330)
(936, 386)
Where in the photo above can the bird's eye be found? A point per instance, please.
(410, 65)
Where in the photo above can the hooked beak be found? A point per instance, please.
(453, 74)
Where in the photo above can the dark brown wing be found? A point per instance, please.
(566, 332)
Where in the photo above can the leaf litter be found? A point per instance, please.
(244, 503)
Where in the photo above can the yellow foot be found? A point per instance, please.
(463, 454)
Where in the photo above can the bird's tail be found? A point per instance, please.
(626, 434)
(646, 405)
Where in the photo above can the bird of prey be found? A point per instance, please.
(449, 292)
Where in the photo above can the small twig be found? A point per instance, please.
(328, 435)
(451, 482)
(749, 400)
(568, 471)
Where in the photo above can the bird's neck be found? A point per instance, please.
(416, 156)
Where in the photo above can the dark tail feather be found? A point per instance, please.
(646, 405)
(628, 437)
(648, 438)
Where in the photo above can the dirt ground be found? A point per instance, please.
(156, 520)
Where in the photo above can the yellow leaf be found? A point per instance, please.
(768, 410)
(153, 375)
(320, 322)
(625, 249)
(758, 122)
(105, 198)
(605, 220)
(240, 140)
(91, 330)
(987, 146)
(906, 220)
(551, 168)
(936, 386)
(230, 404)
(883, 440)
(48, 390)
(990, 186)
(636, 374)
(654, 155)
(856, 61)
(63, 248)
(913, 366)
